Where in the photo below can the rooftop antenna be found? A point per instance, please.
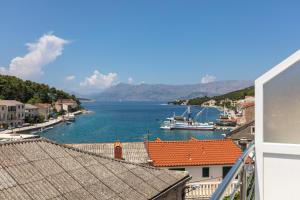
(147, 139)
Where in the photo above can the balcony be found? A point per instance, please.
(238, 183)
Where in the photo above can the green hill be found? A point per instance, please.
(236, 95)
(14, 88)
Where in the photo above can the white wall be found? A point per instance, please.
(277, 141)
(215, 172)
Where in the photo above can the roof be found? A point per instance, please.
(242, 132)
(43, 105)
(65, 101)
(9, 102)
(42, 169)
(248, 104)
(135, 152)
(29, 106)
(193, 152)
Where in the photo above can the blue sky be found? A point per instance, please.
(91, 45)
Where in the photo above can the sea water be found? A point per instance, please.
(129, 122)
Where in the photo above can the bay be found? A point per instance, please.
(128, 122)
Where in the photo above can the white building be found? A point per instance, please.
(44, 109)
(65, 104)
(12, 113)
(277, 136)
(31, 111)
(205, 160)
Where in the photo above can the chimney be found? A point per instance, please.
(118, 150)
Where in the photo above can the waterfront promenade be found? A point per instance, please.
(33, 127)
(38, 126)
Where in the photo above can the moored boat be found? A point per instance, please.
(187, 123)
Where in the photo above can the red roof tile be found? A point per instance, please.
(193, 152)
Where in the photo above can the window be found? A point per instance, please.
(205, 172)
(178, 169)
(225, 171)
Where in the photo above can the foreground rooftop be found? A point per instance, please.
(132, 151)
(42, 169)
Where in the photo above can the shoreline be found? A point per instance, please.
(52, 122)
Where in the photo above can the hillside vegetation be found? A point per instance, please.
(236, 95)
(13, 88)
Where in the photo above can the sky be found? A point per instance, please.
(88, 46)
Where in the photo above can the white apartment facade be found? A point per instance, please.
(31, 110)
(12, 113)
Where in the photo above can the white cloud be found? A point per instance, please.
(70, 78)
(100, 81)
(40, 53)
(208, 79)
(130, 80)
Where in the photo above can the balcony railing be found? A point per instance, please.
(204, 190)
(244, 169)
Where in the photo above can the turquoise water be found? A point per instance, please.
(127, 121)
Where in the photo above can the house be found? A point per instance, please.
(227, 101)
(211, 102)
(243, 135)
(42, 169)
(12, 113)
(205, 160)
(31, 111)
(220, 155)
(247, 111)
(44, 109)
(65, 104)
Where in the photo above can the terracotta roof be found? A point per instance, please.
(247, 104)
(193, 152)
(42, 169)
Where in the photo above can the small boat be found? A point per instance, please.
(187, 123)
(70, 117)
(68, 122)
(42, 129)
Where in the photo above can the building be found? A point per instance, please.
(227, 101)
(65, 104)
(42, 169)
(277, 140)
(205, 160)
(246, 111)
(31, 111)
(276, 153)
(211, 102)
(44, 109)
(243, 135)
(12, 113)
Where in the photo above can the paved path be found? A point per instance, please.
(36, 126)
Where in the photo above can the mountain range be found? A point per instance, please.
(164, 92)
